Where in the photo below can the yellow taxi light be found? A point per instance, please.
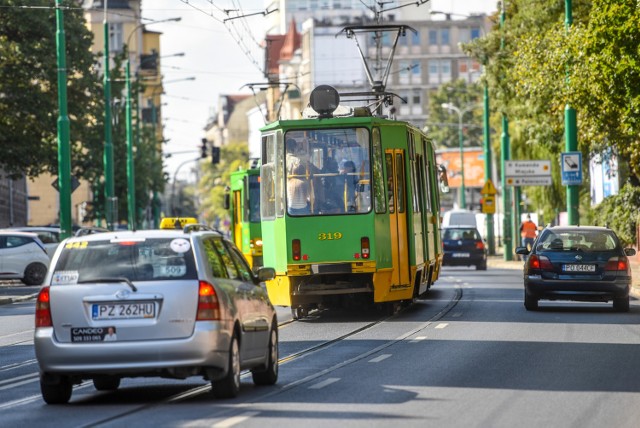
(176, 222)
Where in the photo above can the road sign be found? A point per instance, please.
(488, 188)
(488, 204)
(529, 181)
(571, 167)
(74, 184)
(527, 168)
(528, 173)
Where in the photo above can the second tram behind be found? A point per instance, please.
(349, 210)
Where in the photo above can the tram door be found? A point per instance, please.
(396, 194)
(237, 219)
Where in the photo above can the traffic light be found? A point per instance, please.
(203, 148)
(215, 155)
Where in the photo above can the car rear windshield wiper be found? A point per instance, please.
(110, 280)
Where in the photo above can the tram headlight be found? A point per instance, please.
(364, 247)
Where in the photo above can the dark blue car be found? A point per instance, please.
(582, 263)
(463, 246)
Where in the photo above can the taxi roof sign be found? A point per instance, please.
(176, 222)
(488, 188)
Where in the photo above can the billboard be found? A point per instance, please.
(603, 170)
(473, 166)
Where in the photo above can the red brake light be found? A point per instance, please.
(296, 249)
(617, 264)
(365, 249)
(208, 306)
(43, 309)
(539, 262)
(479, 245)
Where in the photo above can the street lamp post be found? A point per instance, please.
(461, 113)
(131, 188)
(108, 143)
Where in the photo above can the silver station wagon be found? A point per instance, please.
(174, 303)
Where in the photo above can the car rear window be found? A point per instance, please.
(136, 260)
(461, 234)
(586, 240)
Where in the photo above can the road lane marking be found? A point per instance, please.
(442, 325)
(418, 339)
(235, 420)
(325, 383)
(379, 358)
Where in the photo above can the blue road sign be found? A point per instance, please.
(571, 167)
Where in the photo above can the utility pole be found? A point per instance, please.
(64, 152)
(571, 134)
(505, 156)
(488, 166)
(109, 198)
(131, 185)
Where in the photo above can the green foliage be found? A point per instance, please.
(620, 213)
(216, 179)
(535, 67)
(443, 123)
(28, 84)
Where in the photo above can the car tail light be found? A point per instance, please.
(43, 309)
(617, 264)
(479, 245)
(365, 250)
(296, 249)
(208, 306)
(539, 262)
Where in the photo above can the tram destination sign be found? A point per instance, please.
(528, 173)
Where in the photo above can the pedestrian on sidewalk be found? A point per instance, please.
(528, 232)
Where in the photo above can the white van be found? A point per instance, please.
(459, 217)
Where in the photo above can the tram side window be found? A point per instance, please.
(378, 177)
(268, 178)
(388, 158)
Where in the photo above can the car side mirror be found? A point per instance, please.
(266, 274)
(522, 251)
(629, 251)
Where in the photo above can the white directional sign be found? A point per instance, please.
(529, 181)
(528, 173)
(527, 168)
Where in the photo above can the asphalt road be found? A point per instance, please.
(469, 355)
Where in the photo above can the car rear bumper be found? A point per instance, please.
(206, 347)
(473, 259)
(577, 290)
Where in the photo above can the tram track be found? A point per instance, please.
(200, 390)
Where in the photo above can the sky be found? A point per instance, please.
(222, 57)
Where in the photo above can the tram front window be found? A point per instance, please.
(254, 199)
(333, 165)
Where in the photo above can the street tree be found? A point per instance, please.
(29, 88)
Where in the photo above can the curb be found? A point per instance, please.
(6, 300)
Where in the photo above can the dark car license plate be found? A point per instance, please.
(119, 311)
(578, 268)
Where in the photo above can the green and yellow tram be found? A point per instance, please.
(349, 209)
(243, 203)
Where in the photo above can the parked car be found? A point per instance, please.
(463, 246)
(174, 302)
(50, 236)
(582, 263)
(23, 257)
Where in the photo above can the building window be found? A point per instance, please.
(416, 97)
(475, 33)
(433, 37)
(115, 37)
(444, 36)
(415, 38)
